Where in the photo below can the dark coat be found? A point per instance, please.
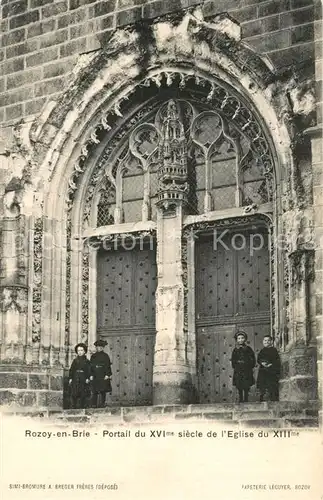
(80, 370)
(268, 378)
(101, 367)
(243, 362)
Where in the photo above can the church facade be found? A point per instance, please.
(166, 194)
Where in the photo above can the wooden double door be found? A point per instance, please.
(232, 284)
(232, 292)
(126, 319)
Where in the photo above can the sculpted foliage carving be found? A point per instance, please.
(38, 237)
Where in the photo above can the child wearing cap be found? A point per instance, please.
(101, 374)
(79, 377)
(243, 362)
(269, 370)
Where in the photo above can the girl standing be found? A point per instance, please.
(269, 370)
(243, 362)
(79, 377)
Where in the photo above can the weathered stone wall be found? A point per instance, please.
(41, 39)
(317, 165)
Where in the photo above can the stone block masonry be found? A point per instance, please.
(30, 386)
(42, 39)
(271, 415)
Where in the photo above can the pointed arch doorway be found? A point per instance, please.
(89, 129)
(177, 164)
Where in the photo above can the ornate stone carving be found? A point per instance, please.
(108, 159)
(85, 296)
(286, 279)
(302, 266)
(14, 298)
(119, 240)
(172, 172)
(68, 279)
(22, 250)
(215, 95)
(185, 241)
(251, 220)
(37, 274)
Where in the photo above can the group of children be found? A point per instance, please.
(243, 363)
(90, 376)
(94, 375)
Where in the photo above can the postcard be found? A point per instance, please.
(161, 249)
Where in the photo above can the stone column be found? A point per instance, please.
(317, 162)
(299, 379)
(14, 290)
(172, 378)
(302, 355)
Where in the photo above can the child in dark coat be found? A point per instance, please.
(243, 362)
(101, 374)
(79, 377)
(269, 370)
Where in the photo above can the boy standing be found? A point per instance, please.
(243, 362)
(101, 374)
(269, 370)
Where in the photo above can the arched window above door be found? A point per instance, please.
(223, 168)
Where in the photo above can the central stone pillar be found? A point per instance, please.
(172, 380)
(171, 376)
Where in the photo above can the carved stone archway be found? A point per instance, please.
(69, 144)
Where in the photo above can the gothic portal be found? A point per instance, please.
(191, 178)
(162, 211)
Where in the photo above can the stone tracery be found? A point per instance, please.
(218, 98)
(252, 163)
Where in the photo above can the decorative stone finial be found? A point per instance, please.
(173, 186)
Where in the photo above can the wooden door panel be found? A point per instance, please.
(225, 343)
(214, 275)
(114, 288)
(132, 368)
(126, 319)
(253, 279)
(144, 351)
(144, 289)
(215, 345)
(232, 292)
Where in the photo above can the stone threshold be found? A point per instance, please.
(266, 414)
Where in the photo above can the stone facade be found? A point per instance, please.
(78, 76)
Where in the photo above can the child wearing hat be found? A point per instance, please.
(101, 374)
(269, 370)
(79, 377)
(243, 362)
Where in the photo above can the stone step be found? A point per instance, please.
(281, 414)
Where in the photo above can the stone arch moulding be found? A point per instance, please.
(103, 81)
(70, 137)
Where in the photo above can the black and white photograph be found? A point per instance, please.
(161, 249)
